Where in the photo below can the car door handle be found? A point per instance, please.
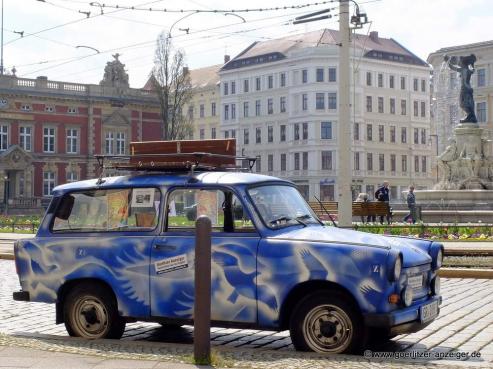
(163, 247)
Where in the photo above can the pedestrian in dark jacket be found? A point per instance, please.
(411, 205)
(383, 194)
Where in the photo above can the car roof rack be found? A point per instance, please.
(178, 156)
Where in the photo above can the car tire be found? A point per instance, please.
(327, 322)
(90, 311)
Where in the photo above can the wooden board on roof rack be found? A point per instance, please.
(218, 153)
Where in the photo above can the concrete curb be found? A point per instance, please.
(466, 273)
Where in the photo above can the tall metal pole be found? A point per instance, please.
(1, 59)
(344, 132)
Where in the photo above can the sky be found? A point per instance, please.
(59, 36)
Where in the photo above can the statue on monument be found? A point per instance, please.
(464, 65)
(114, 74)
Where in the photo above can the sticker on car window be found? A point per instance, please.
(142, 197)
(171, 264)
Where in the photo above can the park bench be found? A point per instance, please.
(362, 209)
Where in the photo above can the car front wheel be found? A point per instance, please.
(91, 312)
(327, 322)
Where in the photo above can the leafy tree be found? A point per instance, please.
(172, 84)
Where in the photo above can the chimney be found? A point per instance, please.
(374, 36)
(227, 58)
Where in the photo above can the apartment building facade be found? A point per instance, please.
(279, 98)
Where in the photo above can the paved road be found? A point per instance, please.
(465, 325)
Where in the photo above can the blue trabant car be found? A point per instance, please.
(121, 249)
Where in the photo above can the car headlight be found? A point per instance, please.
(439, 260)
(407, 296)
(397, 269)
(435, 285)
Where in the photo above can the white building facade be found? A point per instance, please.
(279, 99)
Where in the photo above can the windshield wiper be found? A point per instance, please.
(287, 219)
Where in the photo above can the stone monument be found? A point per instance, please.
(114, 74)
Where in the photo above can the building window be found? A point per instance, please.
(304, 76)
(392, 106)
(270, 134)
(257, 83)
(423, 164)
(326, 130)
(369, 104)
(381, 133)
(270, 81)
(246, 85)
(305, 131)
(368, 78)
(202, 134)
(332, 75)
(403, 107)
(72, 110)
(72, 141)
(423, 109)
(296, 161)
(258, 135)
(481, 111)
(283, 133)
(258, 164)
(213, 109)
(270, 106)
(202, 110)
(233, 88)
(416, 164)
(49, 109)
(369, 132)
(392, 134)
(49, 140)
(326, 160)
(380, 104)
(304, 102)
(72, 176)
(392, 162)
(282, 104)
(26, 107)
(283, 79)
(415, 106)
(369, 161)
(108, 140)
(225, 88)
(356, 161)
(296, 131)
(226, 134)
(404, 163)
(415, 84)
(327, 192)
(356, 131)
(332, 100)
(423, 136)
(48, 183)
(4, 137)
(120, 143)
(233, 111)
(283, 162)
(213, 133)
(226, 112)
(391, 81)
(270, 162)
(381, 162)
(190, 112)
(246, 136)
(481, 77)
(245, 109)
(233, 133)
(305, 161)
(403, 135)
(403, 83)
(423, 85)
(25, 134)
(380, 80)
(320, 101)
(416, 136)
(257, 107)
(320, 74)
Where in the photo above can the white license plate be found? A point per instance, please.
(428, 312)
(416, 281)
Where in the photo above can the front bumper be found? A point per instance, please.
(405, 320)
(21, 296)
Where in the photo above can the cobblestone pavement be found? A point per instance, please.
(465, 325)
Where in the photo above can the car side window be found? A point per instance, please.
(134, 210)
(223, 208)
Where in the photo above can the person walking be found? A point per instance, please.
(383, 194)
(411, 205)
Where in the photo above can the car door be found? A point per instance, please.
(233, 266)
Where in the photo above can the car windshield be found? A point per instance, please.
(281, 206)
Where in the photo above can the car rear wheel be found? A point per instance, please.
(91, 312)
(327, 322)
